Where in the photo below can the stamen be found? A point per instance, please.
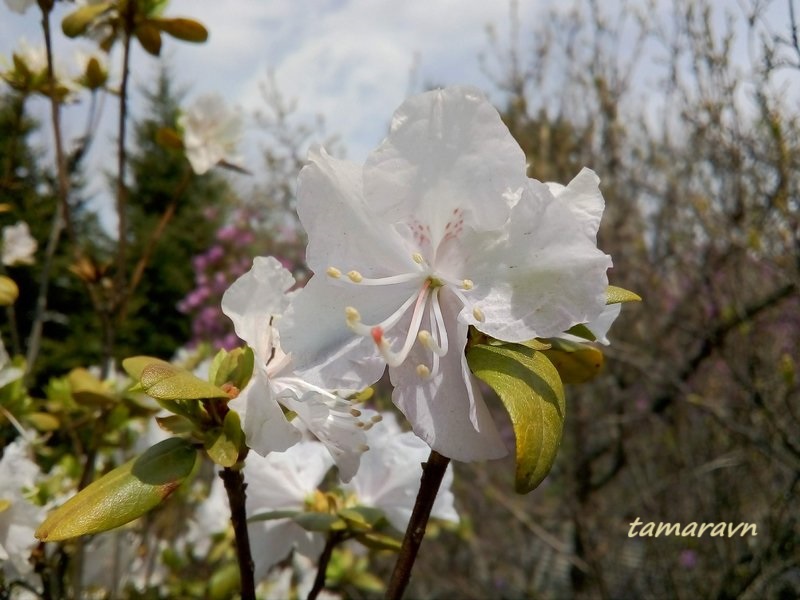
(333, 272)
(426, 339)
(358, 278)
(377, 418)
(396, 359)
(377, 334)
(353, 318)
(441, 331)
(363, 447)
(467, 284)
(355, 412)
(417, 257)
(423, 371)
(478, 314)
(355, 276)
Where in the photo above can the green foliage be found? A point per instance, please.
(165, 381)
(530, 389)
(124, 494)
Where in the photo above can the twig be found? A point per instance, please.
(432, 473)
(235, 487)
(334, 539)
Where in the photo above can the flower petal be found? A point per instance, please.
(254, 298)
(447, 150)
(341, 229)
(583, 198)
(542, 279)
(324, 350)
(265, 426)
(447, 409)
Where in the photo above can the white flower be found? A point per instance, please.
(390, 472)
(18, 245)
(19, 517)
(439, 230)
(19, 6)
(8, 372)
(283, 481)
(253, 303)
(211, 516)
(211, 132)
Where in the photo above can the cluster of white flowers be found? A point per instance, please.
(439, 231)
(19, 517)
(211, 132)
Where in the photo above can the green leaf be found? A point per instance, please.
(314, 521)
(224, 583)
(532, 393)
(379, 541)
(88, 389)
(9, 292)
(176, 424)
(234, 367)
(76, 23)
(615, 295)
(580, 330)
(274, 514)
(149, 37)
(362, 517)
(187, 30)
(224, 444)
(42, 421)
(577, 366)
(165, 381)
(124, 494)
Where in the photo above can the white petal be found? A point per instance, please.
(447, 409)
(583, 198)
(447, 149)
(599, 326)
(342, 229)
(271, 542)
(254, 298)
(325, 351)
(545, 277)
(265, 426)
(336, 429)
(390, 473)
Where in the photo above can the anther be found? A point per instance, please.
(418, 258)
(423, 371)
(352, 315)
(425, 338)
(478, 314)
(355, 276)
(355, 412)
(333, 272)
(467, 284)
(377, 418)
(363, 447)
(360, 424)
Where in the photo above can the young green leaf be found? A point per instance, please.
(225, 443)
(532, 393)
(124, 494)
(187, 30)
(165, 381)
(615, 295)
(78, 21)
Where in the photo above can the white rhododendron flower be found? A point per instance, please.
(211, 132)
(283, 481)
(19, 517)
(18, 245)
(253, 303)
(19, 6)
(390, 474)
(439, 230)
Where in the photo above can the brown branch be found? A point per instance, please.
(432, 473)
(334, 538)
(235, 487)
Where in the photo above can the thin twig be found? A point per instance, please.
(235, 487)
(432, 473)
(334, 538)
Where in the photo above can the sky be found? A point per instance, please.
(351, 62)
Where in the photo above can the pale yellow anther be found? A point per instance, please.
(363, 447)
(355, 412)
(333, 272)
(423, 371)
(478, 314)
(355, 276)
(425, 338)
(418, 258)
(352, 314)
(360, 424)
(467, 284)
(377, 418)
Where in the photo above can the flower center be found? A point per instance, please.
(424, 301)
